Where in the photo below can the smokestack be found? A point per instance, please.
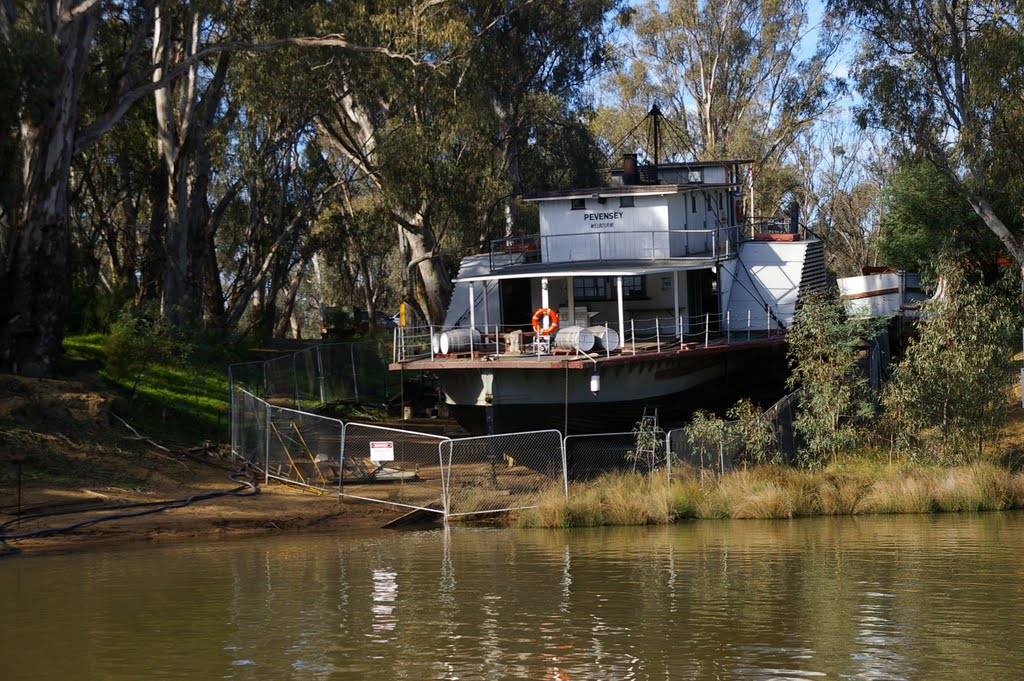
(794, 217)
(630, 174)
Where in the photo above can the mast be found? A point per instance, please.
(655, 126)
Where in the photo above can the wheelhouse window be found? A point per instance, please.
(578, 204)
(625, 202)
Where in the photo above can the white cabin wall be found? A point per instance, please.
(575, 235)
(766, 272)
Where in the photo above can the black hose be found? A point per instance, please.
(159, 506)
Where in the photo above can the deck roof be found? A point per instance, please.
(595, 268)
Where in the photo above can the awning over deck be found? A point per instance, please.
(593, 268)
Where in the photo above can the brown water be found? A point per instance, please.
(916, 597)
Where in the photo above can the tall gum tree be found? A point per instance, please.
(732, 77)
(50, 130)
(944, 78)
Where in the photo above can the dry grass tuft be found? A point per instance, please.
(856, 487)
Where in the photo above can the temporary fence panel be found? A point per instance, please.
(337, 366)
(587, 456)
(717, 453)
(495, 473)
(248, 427)
(306, 364)
(248, 376)
(279, 378)
(304, 449)
(392, 466)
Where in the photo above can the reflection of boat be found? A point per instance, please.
(665, 297)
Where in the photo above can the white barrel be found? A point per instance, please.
(435, 343)
(458, 340)
(574, 338)
(606, 339)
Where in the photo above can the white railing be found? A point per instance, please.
(672, 244)
(638, 336)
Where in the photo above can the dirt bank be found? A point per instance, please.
(63, 448)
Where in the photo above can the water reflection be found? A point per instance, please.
(887, 598)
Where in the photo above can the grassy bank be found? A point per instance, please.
(777, 492)
(182, 397)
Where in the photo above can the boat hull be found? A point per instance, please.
(511, 400)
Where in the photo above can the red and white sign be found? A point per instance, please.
(382, 451)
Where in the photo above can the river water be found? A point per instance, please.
(911, 597)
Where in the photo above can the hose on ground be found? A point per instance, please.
(150, 507)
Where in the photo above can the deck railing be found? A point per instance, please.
(645, 245)
(637, 336)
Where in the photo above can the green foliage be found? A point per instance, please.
(176, 384)
(649, 445)
(949, 393)
(709, 437)
(755, 433)
(824, 345)
(926, 221)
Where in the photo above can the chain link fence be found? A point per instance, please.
(496, 473)
(715, 453)
(303, 448)
(486, 474)
(393, 466)
(587, 456)
(321, 374)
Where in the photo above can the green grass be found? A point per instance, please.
(183, 398)
(852, 488)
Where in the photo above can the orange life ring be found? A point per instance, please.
(552, 321)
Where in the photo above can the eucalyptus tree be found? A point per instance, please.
(51, 43)
(731, 76)
(943, 77)
(531, 63)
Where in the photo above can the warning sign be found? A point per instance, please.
(382, 451)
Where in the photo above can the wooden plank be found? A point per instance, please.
(417, 516)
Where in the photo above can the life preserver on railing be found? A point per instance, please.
(539, 315)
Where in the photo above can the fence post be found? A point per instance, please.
(707, 328)
(295, 379)
(341, 462)
(657, 333)
(352, 359)
(266, 449)
(728, 327)
(632, 335)
(320, 375)
(668, 454)
(565, 466)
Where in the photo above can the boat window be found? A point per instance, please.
(634, 287)
(693, 202)
(579, 204)
(603, 288)
(625, 202)
(590, 288)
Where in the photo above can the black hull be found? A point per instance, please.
(763, 385)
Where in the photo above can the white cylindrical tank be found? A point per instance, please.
(606, 338)
(574, 338)
(435, 343)
(458, 340)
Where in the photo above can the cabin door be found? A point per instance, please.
(516, 304)
(702, 297)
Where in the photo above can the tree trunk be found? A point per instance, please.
(37, 280)
(427, 281)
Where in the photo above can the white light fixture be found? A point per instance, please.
(595, 382)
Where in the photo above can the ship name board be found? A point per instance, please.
(602, 220)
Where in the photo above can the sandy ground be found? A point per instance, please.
(74, 454)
